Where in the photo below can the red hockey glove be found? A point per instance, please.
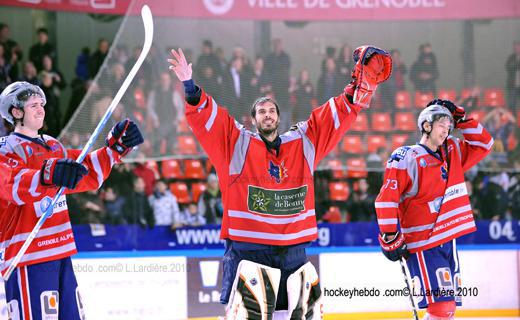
(62, 172)
(394, 249)
(373, 66)
(124, 136)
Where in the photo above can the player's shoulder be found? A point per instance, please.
(9, 142)
(406, 153)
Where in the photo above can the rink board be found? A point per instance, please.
(186, 283)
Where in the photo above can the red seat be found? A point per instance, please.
(447, 94)
(171, 169)
(405, 121)
(374, 142)
(477, 115)
(352, 144)
(197, 189)
(186, 145)
(337, 169)
(494, 97)
(381, 121)
(403, 100)
(356, 168)
(466, 93)
(399, 140)
(180, 190)
(361, 123)
(338, 191)
(193, 169)
(422, 99)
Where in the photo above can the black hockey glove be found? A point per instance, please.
(124, 136)
(394, 249)
(62, 172)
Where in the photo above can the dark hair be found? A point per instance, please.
(207, 43)
(42, 30)
(261, 101)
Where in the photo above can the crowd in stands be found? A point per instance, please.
(168, 193)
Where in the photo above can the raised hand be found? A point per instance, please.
(180, 66)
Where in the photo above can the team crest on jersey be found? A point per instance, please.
(444, 171)
(399, 154)
(29, 150)
(278, 172)
(54, 147)
(422, 163)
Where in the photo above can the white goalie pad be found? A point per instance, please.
(254, 292)
(303, 295)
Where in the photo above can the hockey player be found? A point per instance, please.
(43, 285)
(267, 187)
(423, 205)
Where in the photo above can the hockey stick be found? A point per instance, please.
(146, 15)
(403, 269)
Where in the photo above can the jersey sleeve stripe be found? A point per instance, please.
(477, 130)
(97, 167)
(386, 205)
(16, 185)
(239, 153)
(211, 120)
(383, 222)
(417, 228)
(35, 182)
(486, 146)
(334, 112)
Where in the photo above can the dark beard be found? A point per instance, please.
(266, 132)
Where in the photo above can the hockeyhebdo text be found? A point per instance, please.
(346, 4)
(350, 293)
(120, 267)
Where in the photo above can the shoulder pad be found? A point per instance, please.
(399, 154)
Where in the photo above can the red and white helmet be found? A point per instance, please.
(15, 95)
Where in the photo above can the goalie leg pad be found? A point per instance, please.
(254, 292)
(304, 294)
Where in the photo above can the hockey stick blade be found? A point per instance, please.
(146, 16)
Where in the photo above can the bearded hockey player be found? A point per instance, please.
(43, 286)
(267, 187)
(423, 205)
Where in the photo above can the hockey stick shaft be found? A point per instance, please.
(146, 15)
(403, 269)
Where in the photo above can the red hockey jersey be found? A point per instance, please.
(427, 195)
(23, 197)
(268, 199)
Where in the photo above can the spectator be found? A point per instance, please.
(424, 71)
(395, 83)
(137, 209)
(192, 217)
(30, 74)
(42, 48)
(514, 190)
(207, 59)
(260, 83)
(12, 51)
(5, 70)
(236, 84)
(52, 107)
(210, 81)
(361, 206)
(162, 110)
(328, 83)
(330, 53)
(148, 175)
(219, 52)
(278, 69)
(210, 202)
(79, 90)
(145, 72)
(513, 77)
(500, 123)
(345, 64)
(58, 81)
(120, 177)
(305, 96)
(88, 208)
(98, 57)
(82, 64)
(114, 203)
(376, 162)
(492, 200)
(164, 205)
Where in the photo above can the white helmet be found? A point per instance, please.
(433, 113)
(15, 95)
